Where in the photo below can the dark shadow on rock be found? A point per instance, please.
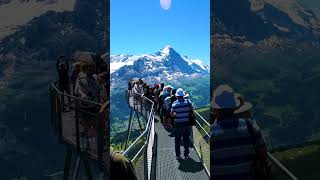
(190, 165)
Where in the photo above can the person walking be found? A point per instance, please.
(87, 88)
(74, 75)
(180, 112)
(235, 143)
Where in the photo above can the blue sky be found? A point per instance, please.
(142, 26)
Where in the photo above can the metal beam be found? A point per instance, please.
(67, 164)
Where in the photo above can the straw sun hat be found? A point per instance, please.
(244, 106)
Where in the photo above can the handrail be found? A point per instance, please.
(206, 134)
(202, 118)
(149, 124)
(203, 121)
(272, 159)
(59, 122)
(146, 128)
(281, 167)
(145, 142)
(134, 142)
(75, 97)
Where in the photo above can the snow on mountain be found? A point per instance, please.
(197, 62)
(164, 64)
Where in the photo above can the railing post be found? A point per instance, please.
(129, 129)
(77, 121)
(59, 119)
(146, 112)
(146, 162)
(99, 136)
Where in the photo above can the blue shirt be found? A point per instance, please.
(182, 109)
(233, 149)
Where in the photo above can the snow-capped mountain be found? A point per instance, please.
(166, 64)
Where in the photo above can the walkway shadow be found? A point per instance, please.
(190, 165)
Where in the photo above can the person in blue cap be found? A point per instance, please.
(180, 112)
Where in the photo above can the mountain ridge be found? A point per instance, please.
(167, 64)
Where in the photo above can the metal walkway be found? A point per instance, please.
(153, 152)
(167, 167)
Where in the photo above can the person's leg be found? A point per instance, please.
(172, 123)
(169, 121)
(186, 139)
(177, 140)
(164, 117)
(166, 122)
(161, 116)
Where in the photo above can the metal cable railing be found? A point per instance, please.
(201, 140)
(83, 126)
(140, 152)
(278, 170)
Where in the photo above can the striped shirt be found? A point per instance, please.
(182, 109)
(233, 149)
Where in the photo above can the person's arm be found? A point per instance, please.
(173, 112)
(78, 91)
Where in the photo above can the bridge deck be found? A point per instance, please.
(168, 167)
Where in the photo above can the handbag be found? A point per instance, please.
(260, 170)
(192, 118)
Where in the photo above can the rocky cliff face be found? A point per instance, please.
(27, 67)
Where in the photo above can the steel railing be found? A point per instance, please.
(201, 137)
(140, 152)
(202, 147)
(201, 143)
(279, 171)
(80, 128)
(201, 140)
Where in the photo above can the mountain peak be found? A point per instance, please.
(165, 64)
(167, 50)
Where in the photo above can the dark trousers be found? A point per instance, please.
(182, 130)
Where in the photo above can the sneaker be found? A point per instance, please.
(178, 157)
(187, 156)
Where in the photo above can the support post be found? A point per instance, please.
(67, 164)
(77, 125)
(87, 168)
(141, 129)
(76, 169)
(129, 129)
